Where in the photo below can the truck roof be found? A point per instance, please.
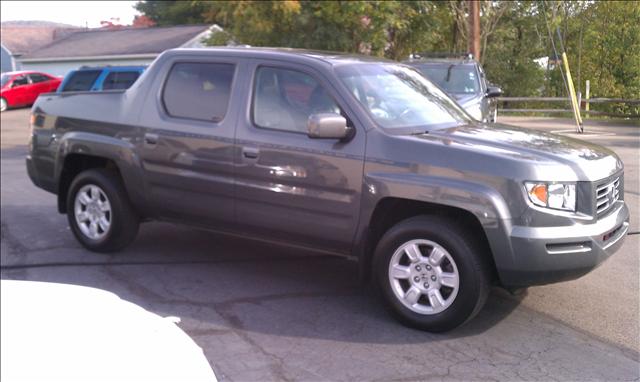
(427, 60)
(440, 62)
(331, 58)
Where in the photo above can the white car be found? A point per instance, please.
(60, 332)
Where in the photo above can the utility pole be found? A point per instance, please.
(474, 28)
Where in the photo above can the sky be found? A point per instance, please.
(77, 13)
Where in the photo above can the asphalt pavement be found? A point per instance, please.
(262, 312)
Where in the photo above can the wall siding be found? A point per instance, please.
(61, 68)
(6, 60)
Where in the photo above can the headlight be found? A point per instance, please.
(475, 110)
(558, 196)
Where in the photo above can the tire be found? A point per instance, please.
(3, 104)
(457, 300)
(97, 198)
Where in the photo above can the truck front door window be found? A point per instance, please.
(284, 99)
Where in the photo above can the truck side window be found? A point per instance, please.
(82, 80)
(284, 99)
(120, 80)
(198, 90)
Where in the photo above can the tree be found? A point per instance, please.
(602, 38)
(172, 12)
(142, 21)
(511, 47)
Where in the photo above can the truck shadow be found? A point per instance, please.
(237, 285)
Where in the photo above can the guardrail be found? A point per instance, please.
(585, 102)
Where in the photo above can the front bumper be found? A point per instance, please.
(543, 255)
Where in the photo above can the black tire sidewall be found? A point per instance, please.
(109, 183)
(473, 278)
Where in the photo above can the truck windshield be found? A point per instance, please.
(453, 78)
(398, 97)
(4, 79)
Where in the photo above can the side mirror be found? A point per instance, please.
(494, 91)
(328, 126)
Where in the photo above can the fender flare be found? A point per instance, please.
(480, 200)
(120, 151)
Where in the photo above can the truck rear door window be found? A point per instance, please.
(198, 90)
(81, 80)
(120, 80)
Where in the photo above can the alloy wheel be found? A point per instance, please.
(424, 277)
(92, 211)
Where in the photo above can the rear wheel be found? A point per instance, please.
(430, 274)
(3, 104)
(99, 211)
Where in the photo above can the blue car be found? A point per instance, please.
(100, 78)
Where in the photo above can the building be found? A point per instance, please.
(126, 46)
(22, 37)
(8, 64)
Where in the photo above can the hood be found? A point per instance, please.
(589, 161)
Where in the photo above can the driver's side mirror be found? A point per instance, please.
(328, 126)
(494, 91)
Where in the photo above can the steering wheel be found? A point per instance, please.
(379, 113)
(406, 112)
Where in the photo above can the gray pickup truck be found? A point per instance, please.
(350, 155)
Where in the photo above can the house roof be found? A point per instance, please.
(119, 42)
(21, 39)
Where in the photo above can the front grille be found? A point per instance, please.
(606, 195)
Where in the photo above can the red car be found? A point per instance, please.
(22, 88)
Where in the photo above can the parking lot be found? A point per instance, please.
(261, 312)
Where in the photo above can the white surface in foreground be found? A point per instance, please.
(65, 332)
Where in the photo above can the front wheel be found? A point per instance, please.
(99, 212)
(430, 274)
(3, 104)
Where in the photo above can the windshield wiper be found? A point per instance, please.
(449, 72)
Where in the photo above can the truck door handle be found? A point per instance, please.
(250, 152)
(151, 139)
